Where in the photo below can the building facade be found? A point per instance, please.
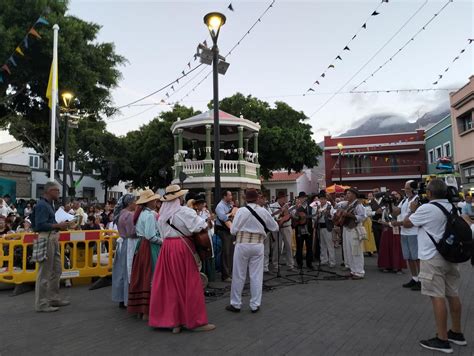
(30, 172)
(384, 161)
(462, 117)
(291, 184)
(439, 144)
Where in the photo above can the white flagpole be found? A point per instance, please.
(54, 101)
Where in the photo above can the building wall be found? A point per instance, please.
(273, 187)
(462, 109)
(369, 161)
(22, 177)
(439, 143)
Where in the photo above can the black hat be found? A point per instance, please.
(199, 198)
(281, 194)
(302, 195)
(353, 190)
(322, 194)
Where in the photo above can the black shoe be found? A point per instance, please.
(232, 309)
(122, 305)
(456, 338)
(416, 286)
(437, 345)
(255, 310)
(409, 284)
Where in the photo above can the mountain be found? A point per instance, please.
(390, 123)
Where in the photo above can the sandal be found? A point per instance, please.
(176, 330)
(208, 327)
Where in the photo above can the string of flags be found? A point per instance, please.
(461, 52)
(19, 51)
(390, 59)
(259, 19)
(345, 49)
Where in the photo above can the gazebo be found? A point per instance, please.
(239, 167)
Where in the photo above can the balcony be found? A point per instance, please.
(382, 171)
(228, 168)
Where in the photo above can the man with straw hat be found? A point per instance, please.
(177, 295)
(146, 254)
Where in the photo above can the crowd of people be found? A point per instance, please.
(158, 272)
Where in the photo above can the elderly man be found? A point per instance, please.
(250, 227)
(440, 279)
(49, 265)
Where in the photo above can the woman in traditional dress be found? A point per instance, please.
(146, 254)
(369, 245)
(123, 218)
(177, 298)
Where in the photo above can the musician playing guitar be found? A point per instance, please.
(280, 210)
(304, 231)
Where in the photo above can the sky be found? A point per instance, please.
(286, 52)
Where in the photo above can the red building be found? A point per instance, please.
(383, 161)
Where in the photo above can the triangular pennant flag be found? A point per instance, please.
(12, 60)
(471, 40)
(230, 7)
(455, 59)
(177, 81)
(446, 69)
(183, 73)
(316, 82)
(310, 89)
(354, 37)
(25, 42)
(323, 75)
(6, 69)
(18, 50)
(375, 13)
(435, 83)
(347, 48)
(205, 43)
(440, 76)
(172, 87)
(339, 57)
(364, 25)
(189, 64)
(42, 20)
(167, 95)
(331, 66)
(34, 33)
(462, 51)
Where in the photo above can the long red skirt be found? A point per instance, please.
(140, 279)
(177, 295)
(390, 251)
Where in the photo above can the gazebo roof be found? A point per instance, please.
(195, 126)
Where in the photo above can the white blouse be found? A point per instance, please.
(186, 220)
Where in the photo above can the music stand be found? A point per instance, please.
(278, 275)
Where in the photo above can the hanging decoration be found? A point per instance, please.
(346, 47)
(440, 76)
(19, 50)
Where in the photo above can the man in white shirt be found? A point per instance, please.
(324, 211)
(249, 251)
(439, 278)
(283, 236)
(409, 236)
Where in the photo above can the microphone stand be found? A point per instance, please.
(278, 276)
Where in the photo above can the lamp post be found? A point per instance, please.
(67, 98)
(340, 146)
(214, 21)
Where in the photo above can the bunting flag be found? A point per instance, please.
(354, 37)
(230, 7)
(18, 50)
(316, 82)
(364, 25)
(330, 66)
(310, 89)
(41, 20)
(323, 75)
(172, 87)
(12, 61)
(34, 33)
(25, 42)
(462, 51)
(346, 48)
(375, 13)
(49, 89)
(6, 69)
(339, 57)
(189, 65)
(183, 73)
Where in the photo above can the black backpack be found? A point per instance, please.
(456, 245)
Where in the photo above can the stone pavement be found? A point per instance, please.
(374, 316)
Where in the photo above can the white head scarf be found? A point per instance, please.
(168, 209)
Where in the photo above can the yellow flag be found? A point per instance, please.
(49, 90)
(18, 49)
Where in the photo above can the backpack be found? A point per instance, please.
(456, 245)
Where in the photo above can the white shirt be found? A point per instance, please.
(430, 219)
(245, 221)
(405, 210)
(5, 210)
(186, 220)
(322, 211)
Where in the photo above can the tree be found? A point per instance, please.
(151, 148)
(285, 139)
(86, 67)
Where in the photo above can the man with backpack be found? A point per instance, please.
(440, 279)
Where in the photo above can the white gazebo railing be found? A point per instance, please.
(227, 167)
(193, 167)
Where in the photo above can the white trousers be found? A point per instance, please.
(247, 256)
(327, 247)
(353, 252)
(285, 238)
(268, 245)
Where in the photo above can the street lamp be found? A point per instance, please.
(340, 146)
(67, 99)
(214, 21)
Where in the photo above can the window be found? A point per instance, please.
(39, 190)
(439, 152)
(34, 161)
(88, 193)
(447, 149)
(75, 169)
(431, 157)
(96, 172)
(468, 173)
(465, 122)
(59, 165)
(358, 165)
(394, 164)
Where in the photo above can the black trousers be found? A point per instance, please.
(377, 230)
(227, 252)
(302, 239)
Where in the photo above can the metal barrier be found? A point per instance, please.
(84, 254)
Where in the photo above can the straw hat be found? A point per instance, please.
(147, 196)
(173, 192)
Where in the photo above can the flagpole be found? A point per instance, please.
(54, 101)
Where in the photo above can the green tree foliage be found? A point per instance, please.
(285, 139)
(87, 68)
(150, 149)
